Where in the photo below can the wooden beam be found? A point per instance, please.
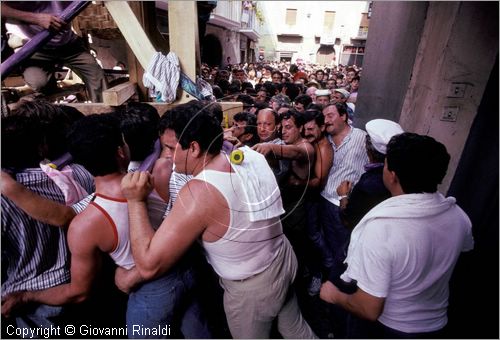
(229, 109)
(119, 94)
(183, 38)
(145, 12)
(132, 31)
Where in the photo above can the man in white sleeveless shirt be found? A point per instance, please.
(223, 208)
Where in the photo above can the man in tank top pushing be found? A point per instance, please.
(223, 208)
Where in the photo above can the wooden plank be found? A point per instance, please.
(119, 94)
(229, 109)
(183, 38)
(13, 81)
(132, 31)
(145, 12)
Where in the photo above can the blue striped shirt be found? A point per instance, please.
(349, 160)
(35, 254)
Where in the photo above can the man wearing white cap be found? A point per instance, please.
(322, 97)
(341, 96)
(370, 190)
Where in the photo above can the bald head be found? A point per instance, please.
(267, 125)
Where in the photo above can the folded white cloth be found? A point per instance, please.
(401, 207)
(262, 193)
(73, 192)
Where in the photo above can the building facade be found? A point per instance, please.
(232, 32)
(320, 32)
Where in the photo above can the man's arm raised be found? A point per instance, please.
(302, 152)
(155, 253)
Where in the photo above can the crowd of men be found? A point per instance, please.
(262, 81)
(212, 232)
(217, 246)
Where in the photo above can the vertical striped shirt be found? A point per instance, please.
(35, 254)
(349, 160)
(177, 181)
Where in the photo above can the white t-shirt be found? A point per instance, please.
(404, 250)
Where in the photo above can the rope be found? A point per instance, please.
(163, 75)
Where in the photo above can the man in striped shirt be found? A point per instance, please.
(34, 254)
(348, 164)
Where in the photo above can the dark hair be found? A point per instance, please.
(72, 113)
(261, 105)
(53, 122)
(251, 91)
(293, 68)
(233, 89)
(291, 90)
(139, 125)
(246, 100)
(212, 108)
(246, 85)
(93, 142)
(270, 88)
(341, 109)
(21, 140)
(314, 106)
(420, 162)
(251, 125)
(303, 99)
(313, 114)
(224, 85)
(373, 153)
(297, 117)
(217, 91)
(193, 121)
(236, 82)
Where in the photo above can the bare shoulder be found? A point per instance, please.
(91, 228)
(325, 148)
(307, 147)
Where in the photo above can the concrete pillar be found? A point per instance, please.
(391, 48)
(459, 45)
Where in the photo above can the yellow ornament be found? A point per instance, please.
(237, 157)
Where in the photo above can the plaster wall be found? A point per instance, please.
(460, 49)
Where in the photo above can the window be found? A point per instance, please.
(291, 17)
(329, 21)
(363, 31)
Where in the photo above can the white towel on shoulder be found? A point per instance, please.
(262, 193)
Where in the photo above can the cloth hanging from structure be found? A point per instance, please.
(163, 75)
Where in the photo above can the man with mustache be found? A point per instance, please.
(348, 145)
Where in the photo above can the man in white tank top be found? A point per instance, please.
(246, 247)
